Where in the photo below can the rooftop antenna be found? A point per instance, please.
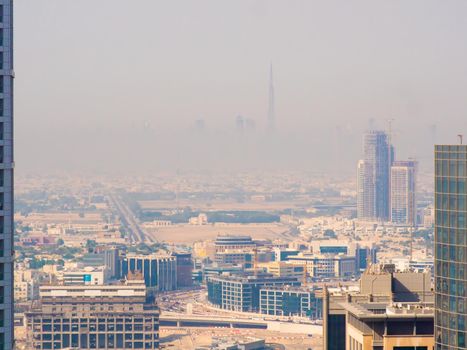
(461, 137)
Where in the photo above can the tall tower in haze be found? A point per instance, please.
(6, 174)
(373, 174)
(271, 112)
(403, 192)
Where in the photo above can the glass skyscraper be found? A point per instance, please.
(6, 174)
(373, 178)
(450, 246)
(403, 192)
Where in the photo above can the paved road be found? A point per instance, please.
(129, 220)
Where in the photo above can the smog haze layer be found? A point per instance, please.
(144, 86)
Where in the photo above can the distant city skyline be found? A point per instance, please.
(93, 106)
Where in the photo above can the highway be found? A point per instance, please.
(129, 220)
(183, 320)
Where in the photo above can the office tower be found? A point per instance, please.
(241, 292)
(184, 269)
(403, 192)
(373, 177)
(288, 301)
(112, 262)
(6, 174)
(450, 246)
(120, 316)
(271, 112)
(159, 271)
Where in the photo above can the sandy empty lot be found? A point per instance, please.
(222, 205)
(191, 233)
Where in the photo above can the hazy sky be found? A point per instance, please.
(114, 85)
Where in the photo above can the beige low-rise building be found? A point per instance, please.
(285, 268)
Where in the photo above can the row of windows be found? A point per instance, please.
(451, 252)
(100, 320)
(448, 218)
(450, 148)
(100, 327)
(451, 337)
(126, 336)
(98, 343)
(452, 303)
(451, 154)
(450, 185)
(452, 236)
(451, 269)
(451, 202)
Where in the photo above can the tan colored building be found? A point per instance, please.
(380, 326)
(323, 265)
(391, 311)
(284, 268)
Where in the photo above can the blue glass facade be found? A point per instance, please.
(6, 175)
(450, 246)
(159, 272)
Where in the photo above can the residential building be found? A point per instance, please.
(403, 192)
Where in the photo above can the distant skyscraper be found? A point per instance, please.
(6, 174)
(373, 177)
(403, 192)
(239, 124)
(450, 246)
(200, 125)
(271, 112)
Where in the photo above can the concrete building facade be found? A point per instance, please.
(121, 316)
